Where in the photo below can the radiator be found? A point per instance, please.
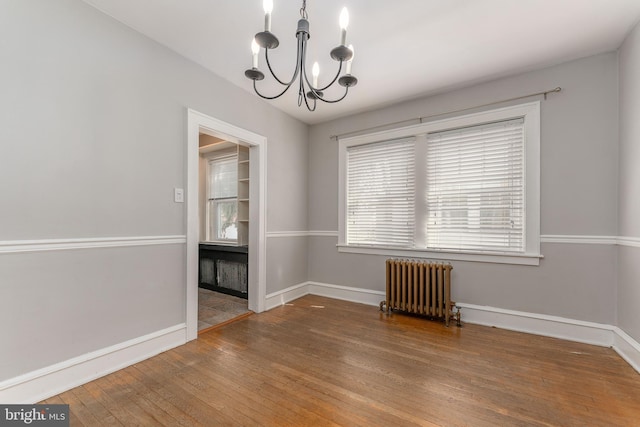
(420, 287)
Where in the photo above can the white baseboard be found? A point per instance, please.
(346, 293)
(539, 324)
(627, 348)
(49, 381)
(282, 297)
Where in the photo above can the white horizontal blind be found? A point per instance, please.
(475, 188)
(222, 205)
(223, 178)
(381, 194)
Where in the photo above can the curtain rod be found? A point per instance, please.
(422, 118)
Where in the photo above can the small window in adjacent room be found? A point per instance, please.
(464, 188)
(222, 199)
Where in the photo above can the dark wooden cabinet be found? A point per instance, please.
(224, 269)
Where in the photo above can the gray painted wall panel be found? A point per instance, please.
(579, 154)
(287, 260)
(579, 158)
(629, 211)
(630, 136)
(573, 281)
(57, 305)
(93, 141)
(629, 291)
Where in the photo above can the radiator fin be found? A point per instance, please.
(419, 287)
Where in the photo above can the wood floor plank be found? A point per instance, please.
(93, 405)
(325, 362)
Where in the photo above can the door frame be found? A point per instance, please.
(198, 123)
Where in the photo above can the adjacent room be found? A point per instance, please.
(422, 212)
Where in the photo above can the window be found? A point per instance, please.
(381, 194)
(222, 199)
(475, 188)
(462, 188)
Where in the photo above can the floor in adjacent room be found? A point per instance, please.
(319, 361)
(215, 308)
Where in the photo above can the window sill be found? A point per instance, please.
(518, 259)
(219, 242)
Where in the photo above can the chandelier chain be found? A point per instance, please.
(303, 10)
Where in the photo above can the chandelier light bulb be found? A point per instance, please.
(344, 18)
(268, 8)
(255, 50)
(344, 23)
(350, 60)
(315, 71)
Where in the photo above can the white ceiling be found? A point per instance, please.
(404, 48)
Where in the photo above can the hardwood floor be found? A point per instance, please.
(327, 362)
(215, 308)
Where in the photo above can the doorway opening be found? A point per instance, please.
(242, 227)
(223, 253)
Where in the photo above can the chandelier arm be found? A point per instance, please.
(304, 73)
(302, 93)
(295, 73)
(313, 89)
(333, 101)
(255, 88)
(332, 81)
(306, 101)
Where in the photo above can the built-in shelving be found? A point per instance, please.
(243, 195)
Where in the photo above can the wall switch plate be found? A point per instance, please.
(178, 195)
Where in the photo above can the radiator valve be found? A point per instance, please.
(458, 322)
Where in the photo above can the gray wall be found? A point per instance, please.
(629, 211)
(92, 143)
(579, 159)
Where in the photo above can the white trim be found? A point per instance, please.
(627, 348)
(43, 383)
(530, 111)
(347, 293)
(633, 242)
(575, 239)
(538, 324)
(545, 238)
(16, 246)
(277, 234)
(282, 297)
(523, 259)
(321, 233)
(200, 123)
(313, 233)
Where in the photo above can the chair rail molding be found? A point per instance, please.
(17, 246)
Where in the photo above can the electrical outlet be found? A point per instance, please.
(178, 195)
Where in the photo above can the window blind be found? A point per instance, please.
(381, 194)
(223, 178)
(222, 208)
(475, 188)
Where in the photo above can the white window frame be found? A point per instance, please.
(530, 112)
(208, 213)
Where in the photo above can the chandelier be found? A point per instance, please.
(308, 93)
